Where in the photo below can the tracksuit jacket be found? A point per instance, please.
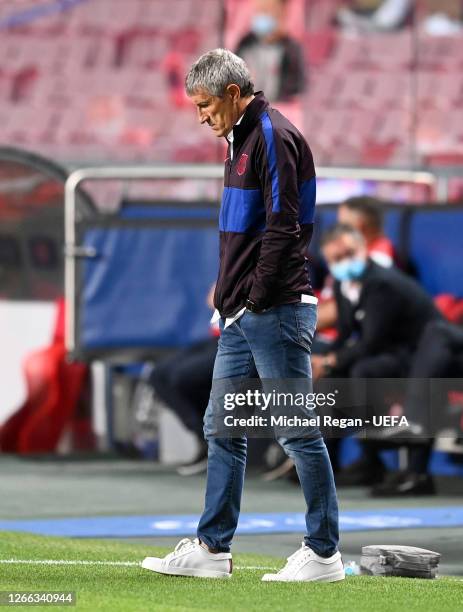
(267, 212)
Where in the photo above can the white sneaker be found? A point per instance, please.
(190, 559)
(304, 566)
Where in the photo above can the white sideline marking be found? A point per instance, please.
(255, 567)
(64, 562)
(106, 563)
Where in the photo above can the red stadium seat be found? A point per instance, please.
(319, 46)
(391, 90)
(92, 82)
(321, 14)
(325, 87)
(348, 53)
(356, 90)
(387, 51)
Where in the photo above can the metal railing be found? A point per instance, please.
(195, 171)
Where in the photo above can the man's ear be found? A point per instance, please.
(234, 92)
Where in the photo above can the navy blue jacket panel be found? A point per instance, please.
(267, 213)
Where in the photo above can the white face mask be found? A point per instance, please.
(262, 25)
(351, 268)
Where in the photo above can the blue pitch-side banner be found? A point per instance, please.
(150, 283)
(250, 524)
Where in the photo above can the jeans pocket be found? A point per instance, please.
(306, 322)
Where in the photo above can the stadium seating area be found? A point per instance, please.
(84, 80)
(96, 81)
(369, 97)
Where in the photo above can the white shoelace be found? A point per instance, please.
(297, 559)
(183, 546)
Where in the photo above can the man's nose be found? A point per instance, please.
(202, 116)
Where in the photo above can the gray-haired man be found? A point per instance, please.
(267, 315)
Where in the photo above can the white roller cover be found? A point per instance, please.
(24, 328)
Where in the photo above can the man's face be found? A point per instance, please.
(346, 216)
(275, 8)
(220, 113)
(342, 248)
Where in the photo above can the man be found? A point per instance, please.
(183, 382)
(382, 314)
(275, 58)
(439, 356)
(267, 314)
(381, 311)
(363, 214)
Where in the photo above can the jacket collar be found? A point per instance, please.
(251, 117)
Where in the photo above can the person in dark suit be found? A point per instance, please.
(439, 356)
(382, 314)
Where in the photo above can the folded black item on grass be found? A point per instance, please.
(393, 560)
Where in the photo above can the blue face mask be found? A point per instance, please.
(262, 25)
(348, 269)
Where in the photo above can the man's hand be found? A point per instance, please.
(253, 307)
(317, 366)
(327, 314)
(322, 365)
(210, 297)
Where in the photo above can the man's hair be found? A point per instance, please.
(217, 69)
(338, 230)
(368, 207)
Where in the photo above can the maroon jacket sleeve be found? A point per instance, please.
(276, 163)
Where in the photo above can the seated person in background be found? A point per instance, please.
(275, 60)
(374, 15)
(381, 312)
(381, 316)
(364, 215)
(439, 355)
(183, 382)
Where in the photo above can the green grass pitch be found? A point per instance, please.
(126, 587)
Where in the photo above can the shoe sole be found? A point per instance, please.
(185, 571)
(333, 577)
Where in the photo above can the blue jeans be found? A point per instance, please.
(278, 342)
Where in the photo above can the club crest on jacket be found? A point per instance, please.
(241, 165)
